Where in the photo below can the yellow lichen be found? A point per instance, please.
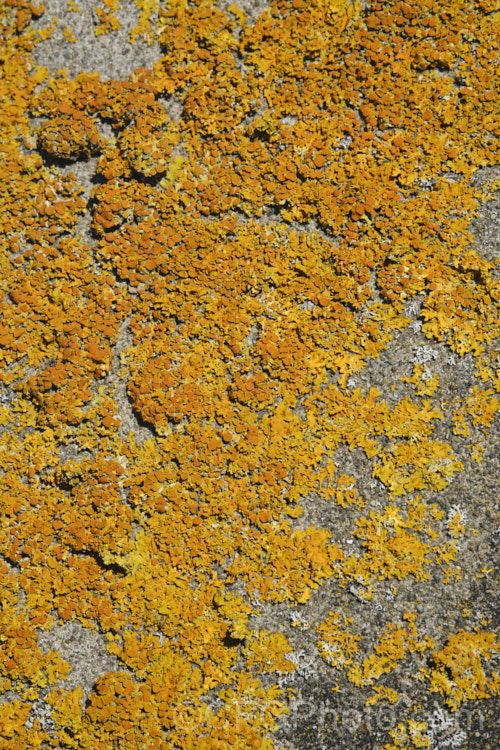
(201, 356)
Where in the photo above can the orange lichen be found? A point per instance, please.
(107, 20)
(198, 359)
(458, 671)
(337, 645)
(394, 645)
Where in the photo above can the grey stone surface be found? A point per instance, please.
(111, 55)
(84, 649)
